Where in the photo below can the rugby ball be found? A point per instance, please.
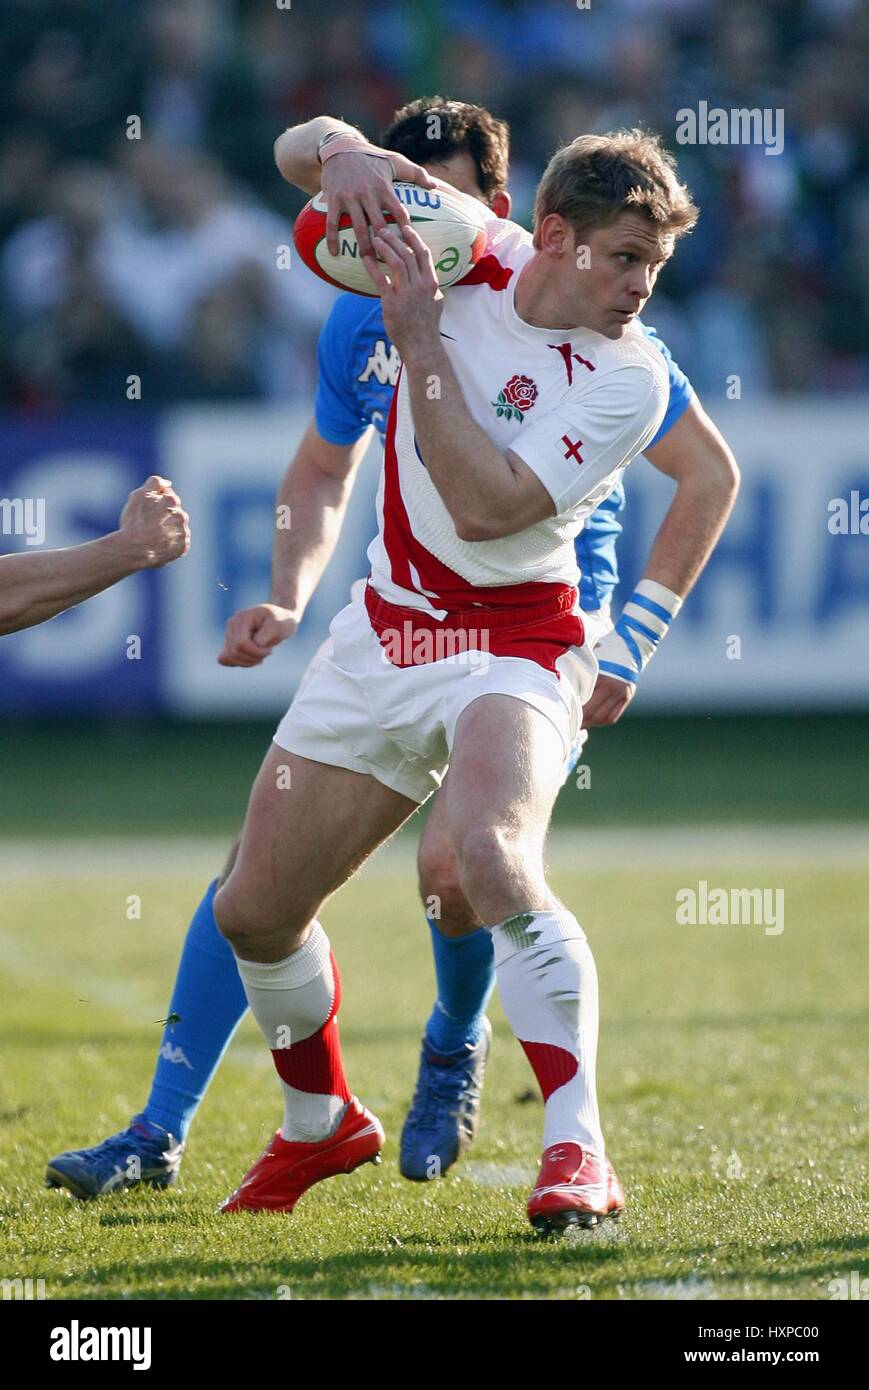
(452, 226)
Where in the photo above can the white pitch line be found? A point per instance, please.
(581, 848)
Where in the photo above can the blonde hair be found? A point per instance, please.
(595, 178)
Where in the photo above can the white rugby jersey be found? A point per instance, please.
(575, 406)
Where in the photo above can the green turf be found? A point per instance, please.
(159, 778)
(724, 1052)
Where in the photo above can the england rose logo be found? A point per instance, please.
(517, 397)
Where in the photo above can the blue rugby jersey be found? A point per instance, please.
(358, 370)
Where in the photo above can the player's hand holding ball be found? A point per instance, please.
(155, 524)
(357, 183)
(411, 297)
(453, 226)
(252, 633)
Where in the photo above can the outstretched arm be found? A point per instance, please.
(152, 531)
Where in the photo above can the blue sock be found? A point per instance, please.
(465, 972)
(210, 1001)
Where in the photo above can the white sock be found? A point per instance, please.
(547, 983)
(295, 1000)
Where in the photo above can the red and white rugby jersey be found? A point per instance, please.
(575, 406)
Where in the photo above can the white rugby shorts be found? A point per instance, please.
(597, 624)
(354, 708)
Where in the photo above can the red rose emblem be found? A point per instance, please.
(520, 392)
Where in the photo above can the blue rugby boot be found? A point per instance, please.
(142, 1153)
(442, 1120)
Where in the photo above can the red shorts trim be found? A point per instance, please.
(539, 632)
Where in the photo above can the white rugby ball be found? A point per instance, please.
(452, 225)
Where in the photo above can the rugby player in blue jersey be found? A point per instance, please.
(358, 369)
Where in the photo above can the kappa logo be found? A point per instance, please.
(175, 1055)
(384, 368)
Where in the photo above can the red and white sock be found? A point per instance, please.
(547, 983)
(295, 1002)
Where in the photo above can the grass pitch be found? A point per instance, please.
(732, 1081)
(156, 778)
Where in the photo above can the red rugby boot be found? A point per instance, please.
(573, 1189)
(286, 1168)
(615, 1192)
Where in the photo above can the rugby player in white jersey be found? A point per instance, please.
(358, 373)
(478, 510)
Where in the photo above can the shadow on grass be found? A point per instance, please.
(143, 1218)
(518, 1267)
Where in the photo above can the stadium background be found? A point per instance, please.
(155, 257)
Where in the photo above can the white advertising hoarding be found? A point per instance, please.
(780, 619)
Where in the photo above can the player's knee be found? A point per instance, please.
(485, 850)
(246, 924)
(441, 891)
(230, 915)
(489, 856)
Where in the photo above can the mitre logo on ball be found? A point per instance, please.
(451, 225)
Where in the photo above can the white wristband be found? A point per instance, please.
(625, 652)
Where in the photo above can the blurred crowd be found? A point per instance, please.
(141, 216)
